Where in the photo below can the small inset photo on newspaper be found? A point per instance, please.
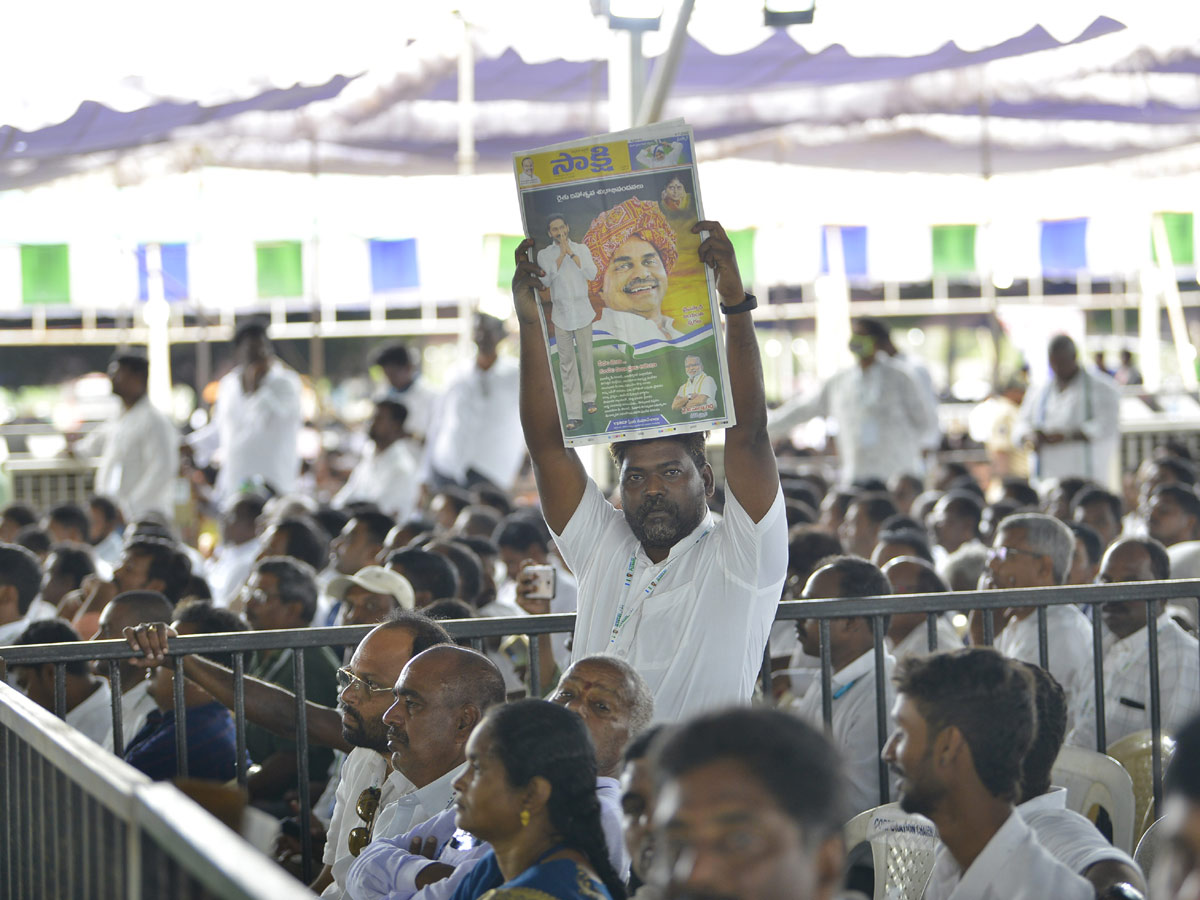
(628, 309)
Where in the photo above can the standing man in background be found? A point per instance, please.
(138, 450)
(256, 419)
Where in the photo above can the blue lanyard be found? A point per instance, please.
(622, 617)
(846, 687)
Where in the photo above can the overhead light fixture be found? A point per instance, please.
(635, 15)
(781, 13)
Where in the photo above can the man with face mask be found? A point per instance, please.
(877, 406)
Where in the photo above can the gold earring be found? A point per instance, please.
(524, 817)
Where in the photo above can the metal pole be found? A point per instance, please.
(181, 748)
(655, 97)
(118, 711)
(1155, 707)
(306, 849)
(466, 103)
(826, 675)
(1098, 678)
(239, 715)
(881, 710)
(1043, 639)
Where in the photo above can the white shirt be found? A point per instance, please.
(139, 459)
(568, 283)
(110, 549)
(362, 769)
(855, 733)
(228, 570)
(1013, 866)
(919, 373)
(386, 870)
(1127, 685)
(916, 642)
(255, 434)
(136, 706)
(1089, 403)
(1185, 559)
(410, 808)
(388, 479)
(698, 639)
(1070, 838)
(419, 399)
(1069, 642)
(93, 717)
(881, 419)
(478, 425)
(524, 179)
(700, 384)
(630, 328)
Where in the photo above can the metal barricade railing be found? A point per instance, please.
(477, 630)
(78, 824)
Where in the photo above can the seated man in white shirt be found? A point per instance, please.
(908, 633)
(88, 699)
(964, 722)
(1071, 838)
(749, 805)
(1127, 654)
(686, 600)
(1034, 550)
(429, 861)
(1172, 515)
(105, 534)
(229, 567)
(387, 474)
(126, 611)
(856, 734)
(20, 581)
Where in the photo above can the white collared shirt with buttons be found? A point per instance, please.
(138, 459)
(93, 716)
(855, 731)
(916, 642)
(1069, 642)
(1069, 837)
(388, 479)
(1127, 685)
(698, 638)
(1013, 866)
(410, 808)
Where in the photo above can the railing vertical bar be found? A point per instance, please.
(118, 711)
(477, 645)
(239, 715)
(881, 710)
(989, 628)
(181, 748)
(1043, 639)
(60, 690)
(764, 676)
(931, 634)
(6, 812)
(826, 675)
(306, 849)
(24, 882)
(1155, 707)
(535, 665)
(1098, 677)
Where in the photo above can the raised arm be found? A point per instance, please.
(560, 476)
(750, 471)
(268, 705)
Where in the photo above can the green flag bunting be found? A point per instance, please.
(953, 249)
(280, 269)
(45, 274)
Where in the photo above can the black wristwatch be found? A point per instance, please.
(1121, 891)
(751, 302)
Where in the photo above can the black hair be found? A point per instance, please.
(73, 560)
(1186, 498)
(450, 608)
(1160, 561)
(639, 745)
(916, 541)
(490, 495)
(468, 565)
(1061, 343)
(209, 619)
(397, 410)
(107, 507)
(874, 327)
(1096, 494)
(536, 738)
(396, 354)
(869, 485)
(297, 583)
(133, 359)
(1183, 774)
(1182, 469)
(1093, 544)
(20, 514)
(248, 505)
(35, 540)
(197, 588)
(458, 497)
(167, 564)
(1070, 486)
(481, 546)
(53, 631)
(149, 606)
(376, 523)
(987, 697)
(1050, 700)
(305, 541)
(425, 631)
(965, 505)
(331, 520)
(1173, 447)
(859, 578)
(967, 484)
(250, 330)
(480, 519)
(928, 579)
(793, 761)
(800, 489)
(555, 217)
(798, 513)
(901, 522)
(20, 568)
(877, 505)
(426, 571)
(693, 444)
(71, 515)
(1020, 490)
(807, 546)
(520, 532)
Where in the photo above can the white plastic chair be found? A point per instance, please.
(902, 850)
(1094, 780)
(1148, 847)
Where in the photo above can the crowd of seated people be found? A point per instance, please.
(645, 761)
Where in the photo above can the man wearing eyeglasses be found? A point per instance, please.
(1031, 550)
